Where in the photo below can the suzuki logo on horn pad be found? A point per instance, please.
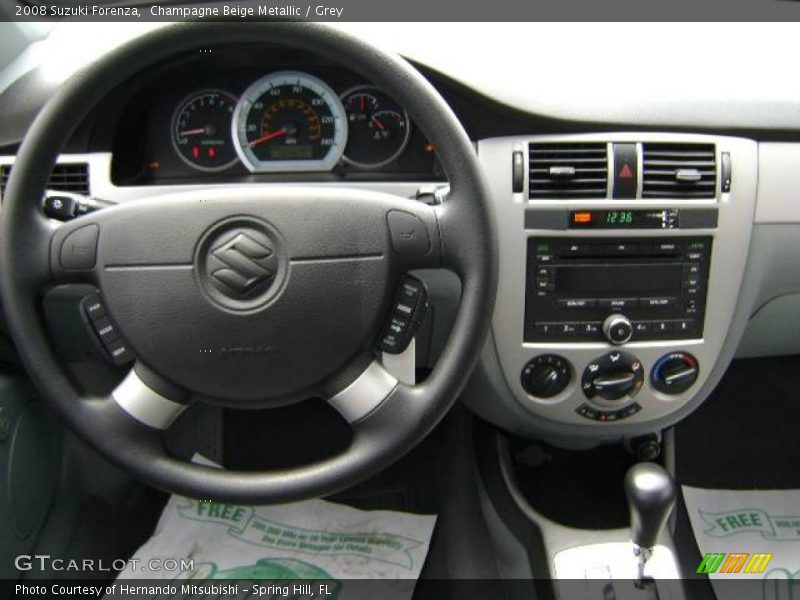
(246, 263)
(241, 263)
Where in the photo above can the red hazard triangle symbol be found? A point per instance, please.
(626, 172)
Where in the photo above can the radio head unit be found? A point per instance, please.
(574, 285)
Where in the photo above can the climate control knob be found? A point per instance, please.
(615, 376)
(674, 373)
(545, 376)
(617, 329)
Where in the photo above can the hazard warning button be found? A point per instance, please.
(626, 171)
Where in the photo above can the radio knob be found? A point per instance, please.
(617, 329)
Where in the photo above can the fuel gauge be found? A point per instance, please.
(378, 128)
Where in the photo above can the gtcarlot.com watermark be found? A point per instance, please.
(45, 562)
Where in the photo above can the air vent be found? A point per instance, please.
(66, 177)
(568, 170)
(679, 171)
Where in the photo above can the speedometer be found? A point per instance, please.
(289, 121)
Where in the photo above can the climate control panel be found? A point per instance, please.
(610, 383)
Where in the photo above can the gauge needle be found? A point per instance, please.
(267, 137)
(198, 131)
(380, 125)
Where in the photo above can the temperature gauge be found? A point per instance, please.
(378, 128)
(201, 130)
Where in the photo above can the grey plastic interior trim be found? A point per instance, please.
(778, 183)
(104, 190)
(364, 394)
(557, 416)
(145, 404)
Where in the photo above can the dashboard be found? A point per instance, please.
(227, 116)
(642, 243)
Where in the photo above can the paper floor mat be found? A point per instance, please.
(748, 535)
(314, 540)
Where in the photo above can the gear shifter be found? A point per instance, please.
(651, 496)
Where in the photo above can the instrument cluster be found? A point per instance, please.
(274, 122)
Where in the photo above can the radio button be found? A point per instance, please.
(657, 302)
(568, 329)
(691, 270)
(545, 285)
(691, 282)
(641, 328)
(577, 303)
(661, 327)
(544, 258)
(666, 247)
(617, 303)
(684, 326)
(544, 272)
(544, 330)
(694, 255)
(591, 329)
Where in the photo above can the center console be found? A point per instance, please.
(621, 262)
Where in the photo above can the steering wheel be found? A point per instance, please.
(307, 329)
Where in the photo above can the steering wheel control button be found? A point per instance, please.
(617, 329)
(93, 307)
(408, 311)
(613, 377)
(408, 233)
(79, 248)
(674, 373)
(545, 376)
(61, 208)
(116, 349)
(240, 263)
(105, 331)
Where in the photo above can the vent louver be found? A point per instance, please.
(66, 177)
(568, 170)
(686, 171)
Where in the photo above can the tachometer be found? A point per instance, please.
(201, 130)
(289, 121)
(378, 127)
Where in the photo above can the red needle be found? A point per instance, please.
(267, 137)
(197, 131)
(380, 125)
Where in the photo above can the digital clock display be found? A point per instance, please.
(624, 219)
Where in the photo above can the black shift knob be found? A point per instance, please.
(651, 496)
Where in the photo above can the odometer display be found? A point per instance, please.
(289, 121)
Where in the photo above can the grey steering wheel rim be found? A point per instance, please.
(465, 229)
